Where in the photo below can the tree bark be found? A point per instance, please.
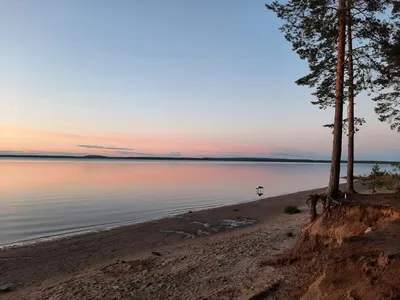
(350, 112)
(314, 209)
(333, 188)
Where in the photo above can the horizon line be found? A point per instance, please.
(205, 158)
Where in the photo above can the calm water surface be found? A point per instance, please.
(40, 198)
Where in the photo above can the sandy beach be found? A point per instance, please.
(209, 254)
(247, 251)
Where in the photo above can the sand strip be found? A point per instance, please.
(208, 254)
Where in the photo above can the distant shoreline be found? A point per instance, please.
(229, 159)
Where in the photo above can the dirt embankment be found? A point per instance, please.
(351, 252)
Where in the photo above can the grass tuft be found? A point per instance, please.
(291, 209)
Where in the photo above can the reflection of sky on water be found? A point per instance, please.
(40, 198)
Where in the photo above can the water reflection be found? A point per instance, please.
(39, 198)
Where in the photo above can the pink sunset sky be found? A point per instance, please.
(150, 78)
(20, 140)
(45, 141)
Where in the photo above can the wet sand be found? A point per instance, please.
(209, 254)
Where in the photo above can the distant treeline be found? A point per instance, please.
(237, 159)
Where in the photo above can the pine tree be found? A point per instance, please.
(312, 27)
(316, 29)
(369, 30)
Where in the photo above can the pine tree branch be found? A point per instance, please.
(361, 12)
(361, 47)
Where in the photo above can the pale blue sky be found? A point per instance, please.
(195, 77)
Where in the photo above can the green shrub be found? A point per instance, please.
(379, 179)
(291, 209)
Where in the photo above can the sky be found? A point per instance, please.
(170, 78)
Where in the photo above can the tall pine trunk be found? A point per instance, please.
(350, 112)
(333, 188)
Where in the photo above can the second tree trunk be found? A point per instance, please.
(350, 112)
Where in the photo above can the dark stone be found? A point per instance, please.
(289, 234)
(4, 288)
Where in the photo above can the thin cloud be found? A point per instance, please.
(104, 147)
(34, 152)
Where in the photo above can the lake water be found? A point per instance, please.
(40, 198)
